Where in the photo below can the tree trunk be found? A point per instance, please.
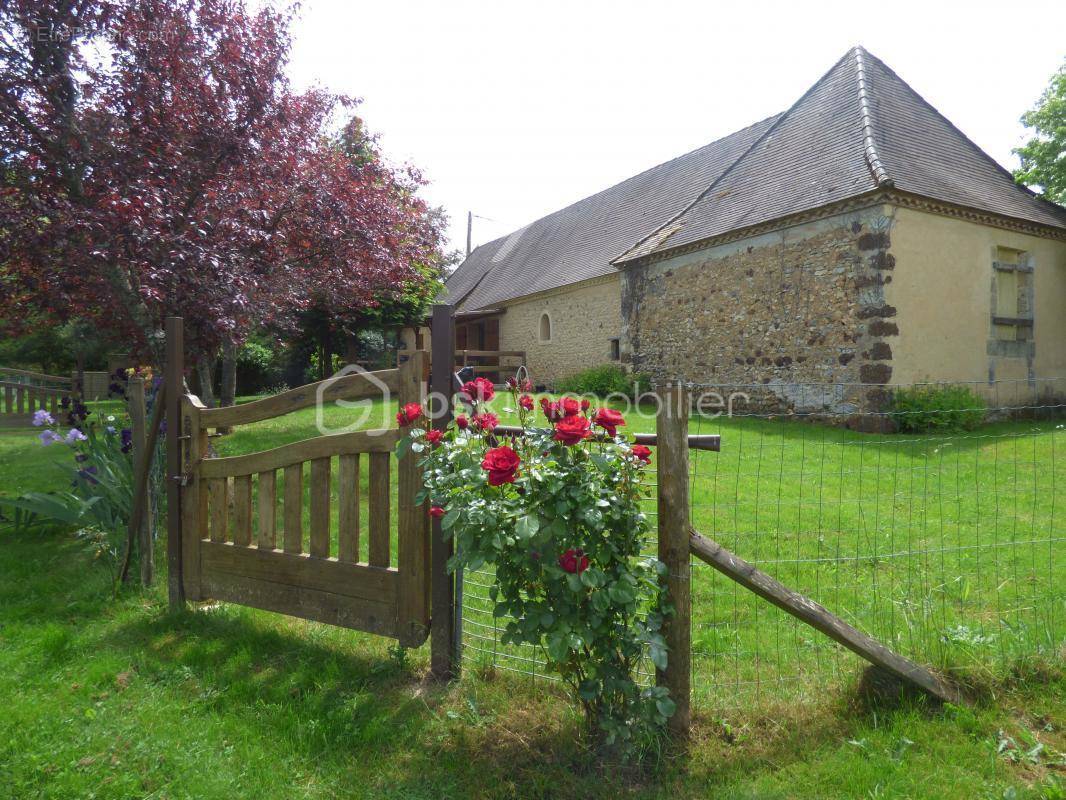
(205, 370)
(229, 373)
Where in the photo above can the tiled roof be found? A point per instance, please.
(578, 242)
(860, 128)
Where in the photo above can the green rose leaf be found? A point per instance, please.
(527, 526)
(666, 706)
(658, 656)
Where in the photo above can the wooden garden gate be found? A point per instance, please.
(242, 533)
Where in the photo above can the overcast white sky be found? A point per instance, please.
(513, 110)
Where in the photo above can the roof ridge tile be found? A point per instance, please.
(877, 169)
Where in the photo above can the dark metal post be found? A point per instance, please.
(174, 380)
(446, 589)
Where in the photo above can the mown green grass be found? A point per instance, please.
(117, 698)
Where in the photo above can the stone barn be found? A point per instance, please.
(856, 238)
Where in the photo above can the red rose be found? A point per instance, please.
(502, 465)
(408, 414)
(436, 512)
(642, 452)
(570, 406)
(485, 422)
(526, 402)
(479, 389)
(527, 385)
(461, 422)
(433, 437)
(574, 561)
(585, 404)
(609, 420)
(572, 430)
(553, 411)
(512, 383)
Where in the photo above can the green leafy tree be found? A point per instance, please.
(1044, 156)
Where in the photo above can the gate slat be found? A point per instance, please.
(268, 509)
(320, 507)
(9, 399)
(242, 510)
(294, 500)
(348, 509)
(379, 509)
(218, 506)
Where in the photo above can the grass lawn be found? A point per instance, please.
(115, 698)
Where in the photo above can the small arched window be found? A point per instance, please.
(545, 328)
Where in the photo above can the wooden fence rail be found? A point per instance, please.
(22, 400)
(40, 378)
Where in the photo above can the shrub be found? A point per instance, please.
(557, 513)
(602, 381)
(946, 409)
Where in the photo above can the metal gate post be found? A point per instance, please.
(446, 601)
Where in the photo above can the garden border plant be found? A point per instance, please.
(556, 512)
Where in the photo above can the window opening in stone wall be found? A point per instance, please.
(545, 328)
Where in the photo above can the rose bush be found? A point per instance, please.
(556, 511)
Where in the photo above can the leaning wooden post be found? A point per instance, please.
(444, 644)
(139, 429)
(673, 507)
(174, 380)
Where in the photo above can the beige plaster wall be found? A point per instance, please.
(583, 317)
(941, 290)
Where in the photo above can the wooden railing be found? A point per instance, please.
(494, 363)
(26, 376)
(22, 400)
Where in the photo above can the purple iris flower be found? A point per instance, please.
(127, 440)
(49, 437)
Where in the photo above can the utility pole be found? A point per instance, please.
(469, 230)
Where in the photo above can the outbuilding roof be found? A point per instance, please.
(859, 129)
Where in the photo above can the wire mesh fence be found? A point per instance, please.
(943, 544)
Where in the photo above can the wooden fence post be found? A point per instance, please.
(139, 427)
(673, 512)
(413, 545)
(174, 380)
(444, 646)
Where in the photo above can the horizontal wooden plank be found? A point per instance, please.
(23, 420)
(59, 379)
(355, 613)
(325, 574)
(355, 386)
(1023, 321)
(49, 391)
(696, 441)
(382, 440)
(507, 353)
